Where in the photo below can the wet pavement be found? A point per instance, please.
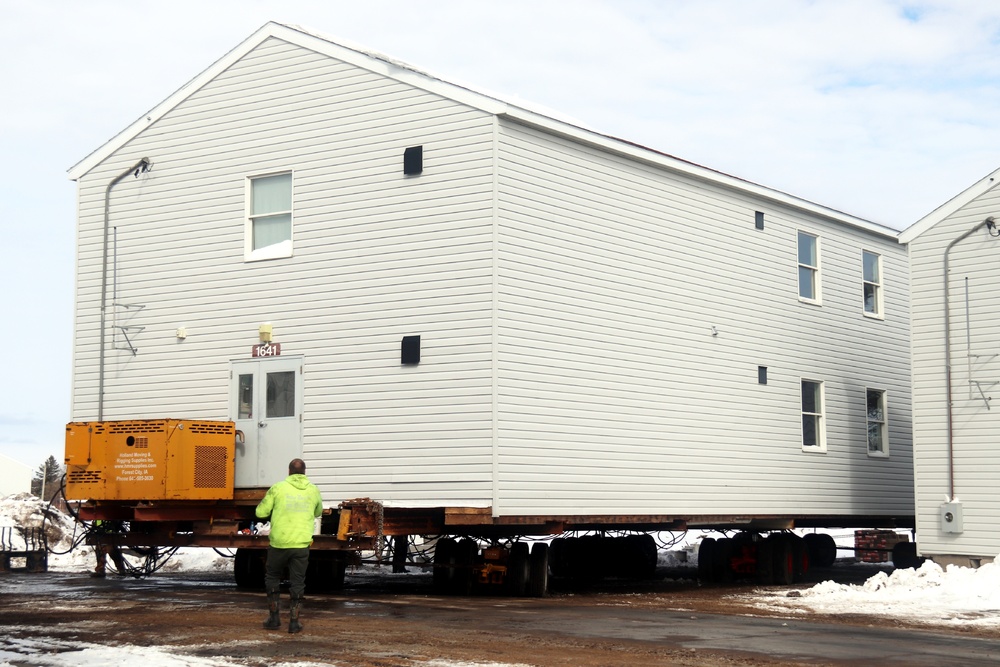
(384, 621)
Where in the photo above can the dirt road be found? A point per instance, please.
(382, 622)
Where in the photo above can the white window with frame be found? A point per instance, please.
(871, 277)
(269, 217)
(808, 247)
(813, 436)
(878, 430)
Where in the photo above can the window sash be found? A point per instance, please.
(807, 283)
(871, 269)
(808, 262)
(268, 232)
(812, 414)
(270, 195)
(876, 422)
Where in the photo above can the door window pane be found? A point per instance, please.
(245, 410)
(280, 394)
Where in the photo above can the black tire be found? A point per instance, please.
(464, 574)
(822, 549)
(800, 557)
(706, 560)
(722, 566)
(326, 572)
(904, 556)
(538, 580)
(444, 562)
(642, 555)
(248, 568)
(558, 561)
(338, 573)
(592, 560)
(783, 559)
(573, 558)
(765, 562)
(318, 578)
(517, 569)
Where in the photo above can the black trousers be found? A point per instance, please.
(297, 562)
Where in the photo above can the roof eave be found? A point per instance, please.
(369, 61)
(664, 160)
(946, 209)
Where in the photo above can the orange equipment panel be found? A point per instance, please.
(150, 459)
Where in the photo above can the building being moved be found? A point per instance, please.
(445, 301)
(954, 257)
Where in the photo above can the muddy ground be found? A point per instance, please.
(382, 621)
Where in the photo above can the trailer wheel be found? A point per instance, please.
(765, 562)
(558, 552)
(517, 569)
(248, 568)
(800, 557)
(783, 559)
(904, 555)
(706, 560)
(538, 582)
(722, 566)
(822, 549)
(325, 572)
(641, 550)
(444, 561)
(464, 574)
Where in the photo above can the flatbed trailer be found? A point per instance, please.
(169, 483)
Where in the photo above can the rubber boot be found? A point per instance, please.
(273, 621)
(293, 623)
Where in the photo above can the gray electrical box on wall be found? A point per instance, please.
(951, 517)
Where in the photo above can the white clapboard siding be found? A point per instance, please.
(976, 424)
(614, 396)
(376, 257)
(592, 315)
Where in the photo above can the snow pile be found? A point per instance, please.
(22, 512)
(931, 594)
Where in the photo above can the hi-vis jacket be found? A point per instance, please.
(293, 505)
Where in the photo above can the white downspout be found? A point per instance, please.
(138, 168)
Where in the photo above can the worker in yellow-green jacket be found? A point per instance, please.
(292, 505)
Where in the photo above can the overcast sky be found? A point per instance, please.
(878, 108)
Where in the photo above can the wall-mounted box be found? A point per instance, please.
(951, 517)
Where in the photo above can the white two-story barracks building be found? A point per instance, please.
(473, 305)
(955, 257)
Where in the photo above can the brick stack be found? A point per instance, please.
(875, 546)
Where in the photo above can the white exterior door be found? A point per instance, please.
(265, 401)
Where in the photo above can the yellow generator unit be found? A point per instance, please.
(150, 459)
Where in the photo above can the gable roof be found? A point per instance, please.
(946, 209)
(488, 103)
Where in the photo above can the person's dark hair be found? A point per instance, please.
(297, 467)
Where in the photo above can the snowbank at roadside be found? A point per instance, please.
(949, 595)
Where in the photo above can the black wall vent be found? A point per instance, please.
(762, 374)
(410, 351)
(413, 160)
(758, 217)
